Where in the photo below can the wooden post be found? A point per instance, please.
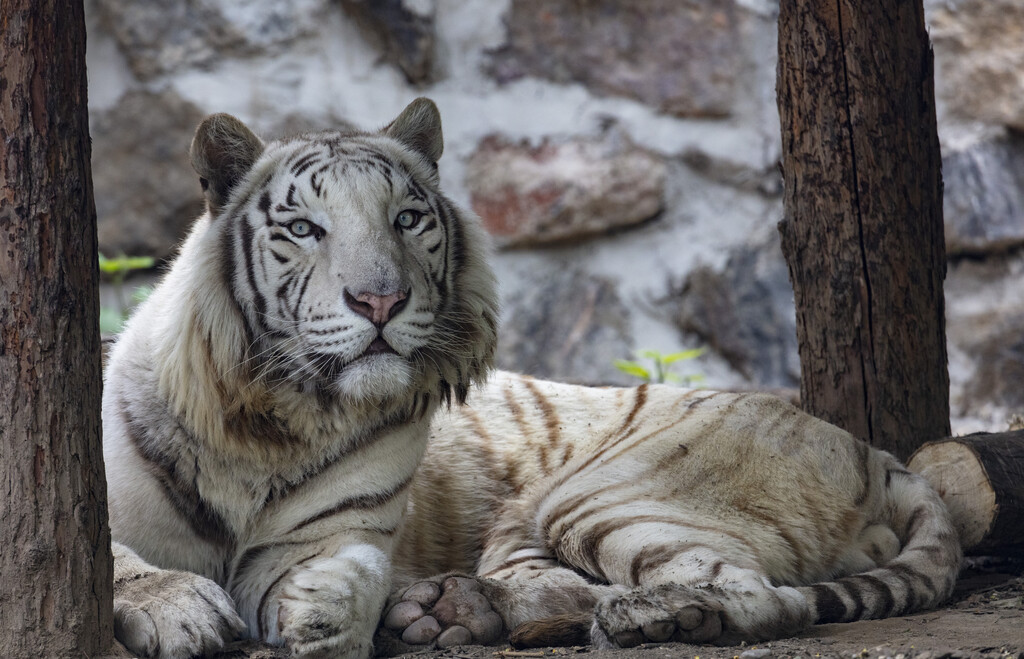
(55, 561)
(862, 228)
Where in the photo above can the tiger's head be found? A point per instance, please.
(352, 273)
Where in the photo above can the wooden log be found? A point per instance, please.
(980, 477)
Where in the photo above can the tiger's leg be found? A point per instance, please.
(690, 583)
(319, 601)
(169, 613)
(517, 582)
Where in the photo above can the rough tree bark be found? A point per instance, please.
(55, 562)
(862, 227)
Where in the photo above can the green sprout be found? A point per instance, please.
(659, 370)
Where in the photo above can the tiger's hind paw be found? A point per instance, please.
(441, 613)
(166, 613)
(656, 615)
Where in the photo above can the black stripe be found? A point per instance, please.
(258, 299)
(359, 502)
(184, 497)
(830, 607)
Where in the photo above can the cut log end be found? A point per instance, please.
(981, 480)
(956, 473)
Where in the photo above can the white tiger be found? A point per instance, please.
(274, 470)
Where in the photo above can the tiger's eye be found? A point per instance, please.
(300, 228)
(407, 219)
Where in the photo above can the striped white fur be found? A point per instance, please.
(658, 513)
(276, 465)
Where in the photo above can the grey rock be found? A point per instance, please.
(679, 56)
(756, 653)
(162, 36)
(146, 192)
(563, 190)
(983, 203)
(566, 326)
(403, 30)
(979, 54)
(744, 312)
(985, 332)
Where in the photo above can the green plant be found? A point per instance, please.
(659, 370)
(116, 271)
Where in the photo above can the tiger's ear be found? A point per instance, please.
(419, 128)
(223, 151)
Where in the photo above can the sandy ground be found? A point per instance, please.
(984, 619)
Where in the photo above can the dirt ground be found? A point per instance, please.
(984, 619)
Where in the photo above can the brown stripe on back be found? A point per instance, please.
(519, 417)
(551, 421)
(359, 502)
(639, 401)
(511, 469)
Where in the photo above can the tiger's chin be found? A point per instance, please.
(375, 377)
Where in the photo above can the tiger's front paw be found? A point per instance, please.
(663, 613)
(328, 610)
(444, 612)
(172, 614)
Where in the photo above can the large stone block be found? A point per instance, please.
(146, 192)
(163, 36)
(566, 325)
(979, 51)
(563, 190)
(983, 202)
(985, 332)
(680, 56)
(403, 30)
(745, 313)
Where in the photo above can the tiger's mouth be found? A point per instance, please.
(378, 347)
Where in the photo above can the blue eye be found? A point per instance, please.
(408, 218)
(301, 228)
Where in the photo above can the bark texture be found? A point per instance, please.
(55, 562)
(862, 229)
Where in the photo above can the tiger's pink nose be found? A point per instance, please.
(378, 309)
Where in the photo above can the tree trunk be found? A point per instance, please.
(55, 561)
(981, 479)
(862, 228)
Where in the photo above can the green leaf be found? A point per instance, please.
(649, 354)
(125, 263)
(681, 356)
(632, 368)
(111, 320)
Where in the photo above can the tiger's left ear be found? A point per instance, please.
(419, 128)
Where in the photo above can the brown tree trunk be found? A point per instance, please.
(862, 228)
(980, 477)
(55, 562)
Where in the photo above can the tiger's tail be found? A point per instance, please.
(921, 575)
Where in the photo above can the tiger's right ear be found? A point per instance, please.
(223, 151)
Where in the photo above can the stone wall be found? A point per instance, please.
(622, 154)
